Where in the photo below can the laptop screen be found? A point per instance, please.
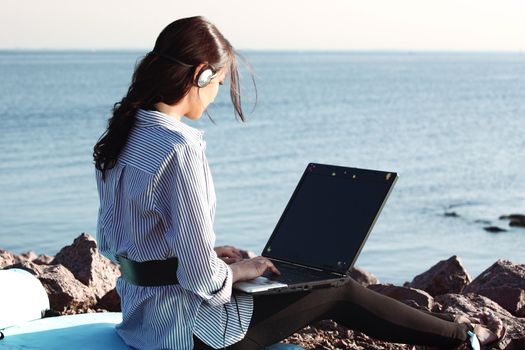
(329, 216)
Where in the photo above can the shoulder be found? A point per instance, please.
(152, 149)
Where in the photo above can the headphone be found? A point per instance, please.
(203, 78)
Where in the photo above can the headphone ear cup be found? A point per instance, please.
(204, 77)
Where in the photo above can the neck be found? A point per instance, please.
(176, 111)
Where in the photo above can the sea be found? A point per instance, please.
(451, 124)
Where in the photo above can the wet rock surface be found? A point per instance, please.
(79, 280)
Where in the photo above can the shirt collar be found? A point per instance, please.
(147, 118)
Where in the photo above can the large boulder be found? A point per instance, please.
(363, 277)
(447, 276)
(472, 305)
(64, 290)
(88, 265)
(503, 282)
(413, 297)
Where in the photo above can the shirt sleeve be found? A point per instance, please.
(199, 270)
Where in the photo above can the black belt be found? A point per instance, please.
(149, 273)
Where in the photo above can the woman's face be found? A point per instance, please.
(200, 98)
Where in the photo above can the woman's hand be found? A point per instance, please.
(228, 254)
(251, 268)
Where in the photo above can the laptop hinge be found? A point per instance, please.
(308, 267)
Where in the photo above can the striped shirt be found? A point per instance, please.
(159, 202)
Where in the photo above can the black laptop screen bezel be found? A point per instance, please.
(334, 170)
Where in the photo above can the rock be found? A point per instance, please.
(88, 265)
(515, 219)
(27, 256)
(494, 229)
(51, 313)
(472, 304)
(520, 217)
(447, 276)
(517, 223)
(43, 259)
(406, 295)
(64, 290)
(110, 301)
(328, 334)
(503, 282)
(6, 258)
(363, 277)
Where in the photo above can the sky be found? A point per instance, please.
(419, 25)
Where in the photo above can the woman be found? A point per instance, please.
(157, 202)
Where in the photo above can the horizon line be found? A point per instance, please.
(519, 51)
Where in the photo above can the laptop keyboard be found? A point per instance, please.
(291, 274)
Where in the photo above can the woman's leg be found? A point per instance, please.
(276, 317)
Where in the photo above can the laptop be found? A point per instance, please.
(322, 229)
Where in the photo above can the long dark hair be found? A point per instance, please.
(166, 75)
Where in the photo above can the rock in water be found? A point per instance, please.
(64, 290)
(517, 223)
(447, 276)
(515, 219)
(494, 229)
(503, 282)
(88, 265)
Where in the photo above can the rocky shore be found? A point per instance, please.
(78, 280)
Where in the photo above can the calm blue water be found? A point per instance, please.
(451, 125)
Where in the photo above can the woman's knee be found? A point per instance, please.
(352, 290)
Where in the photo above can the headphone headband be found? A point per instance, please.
(170, 58)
